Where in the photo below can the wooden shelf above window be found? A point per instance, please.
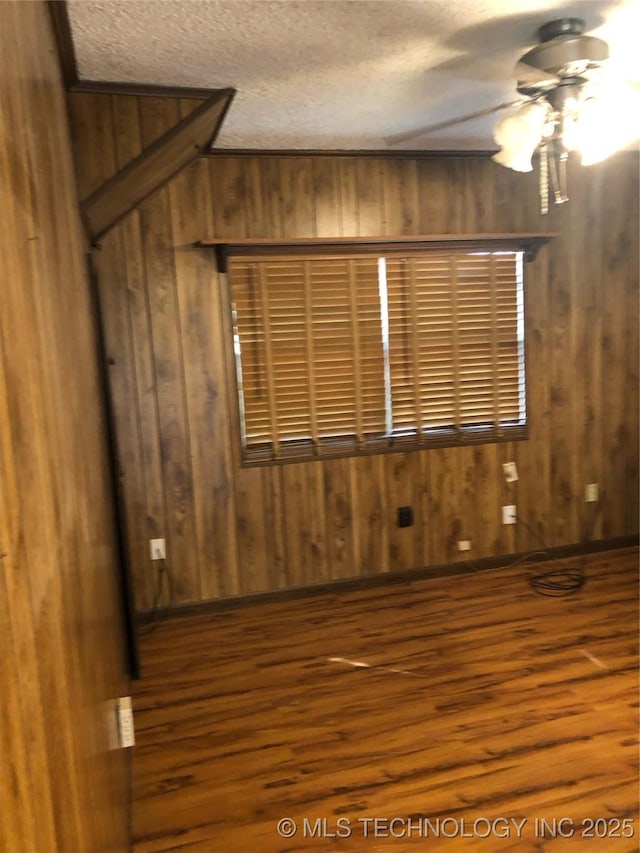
(529, 243)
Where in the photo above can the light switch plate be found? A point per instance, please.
(509, 514)
(157, 549)
(591, 493)
(510, 472)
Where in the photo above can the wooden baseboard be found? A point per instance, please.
(349, 584)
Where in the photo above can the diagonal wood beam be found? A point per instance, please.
(157, 164)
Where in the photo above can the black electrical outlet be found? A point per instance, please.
(405, 516)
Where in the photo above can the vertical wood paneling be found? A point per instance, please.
(303, 523)
(277, 566)
(60, 623)
(157, 115)
(229, 189)
(369, 198)
(620, 258)
(92, 122)
(587, 286)
(462, 514)
(295, 197)
(251, 522)
(487, 473)
(252, 201)
(399, 491)
(478, 208)
(533, 457)
(142, 411)
(339, 518)
(274, 211)
(632, 354)
(326, 190)
(206, 401)
(32, 825)
(561, 371)
(335, 205)
(455, 172)
(304, 518)
(400, 197)
(434, 197)
(371, 515)
(441, 508)
(250, 517)
(424, 502)
(350, 218)
(203, 351)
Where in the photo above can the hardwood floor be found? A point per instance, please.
(480, 701)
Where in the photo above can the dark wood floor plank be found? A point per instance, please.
(461, 698)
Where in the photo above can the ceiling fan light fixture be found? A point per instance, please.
(519, 135)
(606, 125)
(514, 160)
(570, 108)
(573, 102)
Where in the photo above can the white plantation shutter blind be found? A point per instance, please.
(337, 355)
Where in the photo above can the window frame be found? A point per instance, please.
(306, 450)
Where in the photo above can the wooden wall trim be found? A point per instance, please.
(530, 243)
(59, 14)
(358, 154)
(445, 570)
(155, 165)
(108, 87)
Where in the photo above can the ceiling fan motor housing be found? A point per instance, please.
(564, 51)
(561, 27)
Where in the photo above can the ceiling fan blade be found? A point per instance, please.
(441, 125)
(527, 75)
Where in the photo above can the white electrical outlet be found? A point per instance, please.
(124, 715)
(158, 549)
(591, 493)
(509, 514)
(464, 544)
(510, 472)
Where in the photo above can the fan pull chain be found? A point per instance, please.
(562, 177)
(558, 170)
(554, 179)
(544, 179)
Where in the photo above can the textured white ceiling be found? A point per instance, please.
(336, 74)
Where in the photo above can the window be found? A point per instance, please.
(340, 354)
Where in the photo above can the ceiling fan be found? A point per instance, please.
(562, 109)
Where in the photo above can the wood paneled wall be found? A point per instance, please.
(231, 530)
(62, 656)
